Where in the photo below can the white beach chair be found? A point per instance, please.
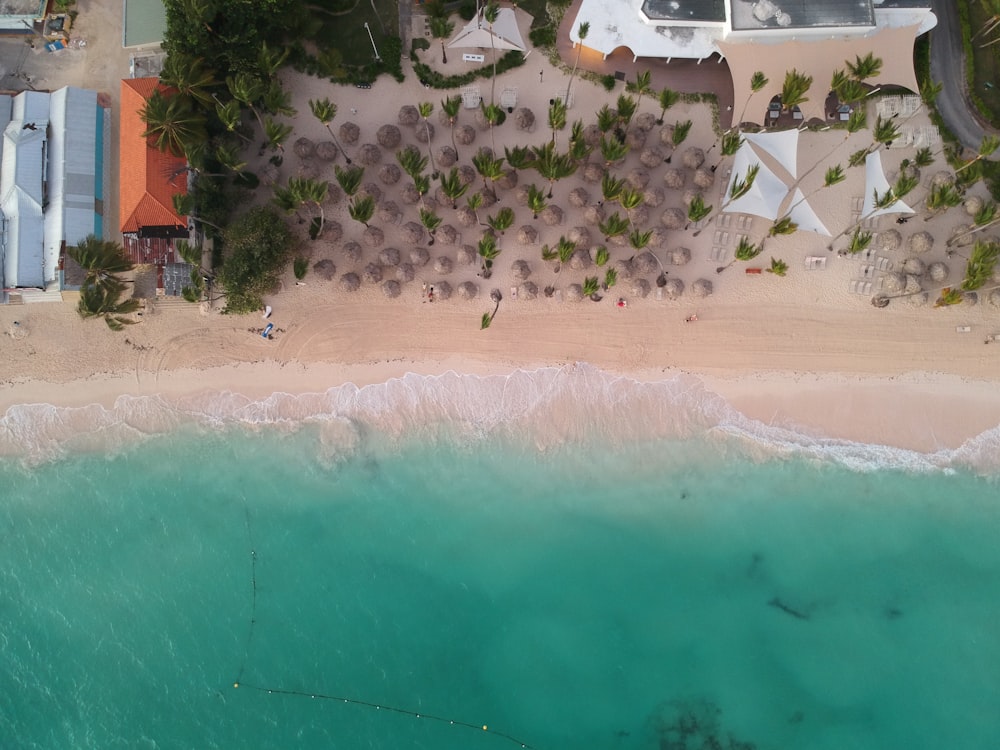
(815, 262)
(508, 97)
(719, 254)
(471, 98)
(883, 264)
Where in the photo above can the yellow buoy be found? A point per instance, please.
(485, 728)
(236, 684)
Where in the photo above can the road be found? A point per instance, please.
(948, 68)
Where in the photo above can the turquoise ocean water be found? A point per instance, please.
(571, 559)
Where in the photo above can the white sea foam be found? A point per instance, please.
(549, 407)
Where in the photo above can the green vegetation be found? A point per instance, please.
(102, 289)
(256, 250)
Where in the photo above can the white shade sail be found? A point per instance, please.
(502, 35)
(766, 194)
(875, 182)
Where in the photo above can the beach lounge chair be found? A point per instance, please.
(963, 329)
(860, 286)
(719, 254)
(471, 97)
(815, 262)
(508, 98)
(883, 264)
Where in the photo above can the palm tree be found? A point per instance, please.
(834, 175)
(99, 300)
(697, 210)
(611, 186)
(230, 115)
(880, 202)
(289, 199)
(475, 202)
(536, 200)
(557, 116)
(949, 296)
(494, 115)
(277, 101)
(247, 89)
(581, 31)
(487, 319)
(349, 178)
(985, 218)
(668, 98)
(740, 187)
(746, 250)
(276, 134)
(441, 28)
(868, 66)
(884, 132)
(784, 225)
(982, 261)
(757, 83)
(313, 192)
(184, 205)
(552, 165)
(639, 240)
(425, 109)
(362, 208)
(591, 286)
(491, 12)
(451, 107)
(613, 150)
(778, 267)
(519, 157)
(942, 197)
(431, 222)
(453, 187)
(680, 132)
(171, 124)
(411, 161)
(793, 91)
(562, 252)
(924, 157)
(229, 158)
(614, 226)
(641, 86)
(610, 278)
(989, 144)
(189, 76)
(601, 256)
(269, 61)
(606, 118)
(850, 92)
(859, 242)
(731, 142)
(102, 260)
(489, 169)
(325, 111)
(503, 220)
(629, 198)
(626, 109)
(488, 251)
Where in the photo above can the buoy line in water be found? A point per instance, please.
(335, 698)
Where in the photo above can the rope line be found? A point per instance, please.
(335, 698)
(383, 707)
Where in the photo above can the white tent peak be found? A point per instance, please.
(766, 194)
(780, 145)
(804, 215)
(504, 34)
(875, 182)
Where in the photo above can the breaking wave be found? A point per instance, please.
(547, 408)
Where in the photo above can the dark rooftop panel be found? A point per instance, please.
(685, 10)
(777, 14)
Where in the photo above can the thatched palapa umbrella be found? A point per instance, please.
(940, 179)
(920, 242)
(552, 215)
(334, 194)
(389, 174)
(325, 269)
(624, 268)
(653, 197)
(466, 255)
(937, 272)
(970, 299)
(635, 139)
(443, 265)
(578, 197)
(413, 233)
(639, 215)
(269, 174)
(465, 135)
(646, 121)
(973, 205)
(388, 256)
(369, 154)
(638, 178)
(894, 282)
(594, 214)
(679, 256)
(521, 195)
(887, 241)
(673, 218)
(423, 132)
(674, 288)
(580, 260)
(308, 170)
(658, 238)
(704, 178)
(391, 288)
(447, 156)
(651, 157)
(373, 237)
(304, 148)
(405, 273)
(447, 234)
(524, 118)
(994, 298)
(508, 179)
(527, 235)
(579, 235)
(520, 270)
(350, 282)
(467, 290)
(466, 174)
(914, 266)
(466, 216)
(349, 133)
(389, 137)
(645, 263)
(592, 135)
(408, 115)
(640, 288)
(352, 251)
(389, 213)
(442, 290)
(701, 288)
(409, 194)
(528, 290)
(373, 274)
(688, 196)
(673, 178)
(574, 293)
(694, 157)
(327, 150)
(419, 256)
(593, 172)
(370, 190)
(332, 231)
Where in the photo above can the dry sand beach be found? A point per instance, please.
(801, 351)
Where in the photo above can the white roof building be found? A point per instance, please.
(51, 175)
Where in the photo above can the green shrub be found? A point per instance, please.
(436, 80)
(300, 266)
(418, 43)
(256, 250)
(543, 36)
(248, 180)
(467, 11)
(608, 82)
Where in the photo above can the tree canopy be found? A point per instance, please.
(257, 249)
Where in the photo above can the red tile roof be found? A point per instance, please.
(148, 177)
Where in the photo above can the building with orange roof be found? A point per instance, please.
(148, 178)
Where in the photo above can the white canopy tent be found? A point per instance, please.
(804, 215)
(766, 194)
(504, 33)
(875, 182)
(780, 145)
